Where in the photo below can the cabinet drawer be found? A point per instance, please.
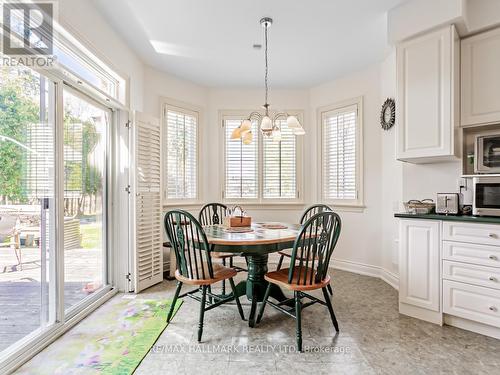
(472, 302)
(471, 253)
(484, 234)
(472, 274)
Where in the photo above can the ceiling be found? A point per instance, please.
(210, 41)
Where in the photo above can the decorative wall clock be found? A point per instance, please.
(388, 114)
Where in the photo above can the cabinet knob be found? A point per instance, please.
(492, 308)
(493, 257)
(493, 278)
(492, 235)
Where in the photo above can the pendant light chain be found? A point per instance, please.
(269, 127)
(267, 68)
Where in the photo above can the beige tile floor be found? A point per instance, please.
(373, 339)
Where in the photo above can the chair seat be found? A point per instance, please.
(220, 255)
(280, 278)
(220, 273)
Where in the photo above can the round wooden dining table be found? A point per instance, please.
(255, 245)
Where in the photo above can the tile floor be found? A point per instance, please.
(373, 339)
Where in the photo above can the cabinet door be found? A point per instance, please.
(419, 268)
(481, 79)
(427, 97)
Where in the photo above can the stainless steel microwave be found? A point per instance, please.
(486, 200)
(487, 153)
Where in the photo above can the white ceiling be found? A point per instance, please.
(210, 41)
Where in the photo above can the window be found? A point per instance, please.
(264, 170)
(341, 160)
(242, 177)
(280, 167)
(181, 153)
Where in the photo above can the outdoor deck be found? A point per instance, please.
(21, 292)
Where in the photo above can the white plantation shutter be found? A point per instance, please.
(148, 211)
(279, 165)
(241, 162)
(181, 153)
(339, 133)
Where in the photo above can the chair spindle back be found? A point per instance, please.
(190, 244)
(313, 248)
(212, 213)
(313, 210)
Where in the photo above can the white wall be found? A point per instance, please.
(392, 173)
(361, 237)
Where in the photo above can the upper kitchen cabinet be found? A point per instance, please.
(481, 79)
(428, 97)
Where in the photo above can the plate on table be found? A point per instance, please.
(239, 230)
(273, 226)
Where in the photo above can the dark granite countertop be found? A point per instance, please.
(469, 219)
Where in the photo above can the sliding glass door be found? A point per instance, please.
(27, 204)
(86, 127)
(54, 177)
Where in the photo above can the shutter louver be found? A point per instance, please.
(279, 174)
(182, 155)
(241, 163)
(339, 154)
(148, 210)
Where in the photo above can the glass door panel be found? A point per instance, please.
(86, 126)
(27, 215)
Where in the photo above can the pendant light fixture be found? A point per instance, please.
(268, 126)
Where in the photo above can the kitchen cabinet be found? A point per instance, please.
(428, 97)
(419, 275)
(450, 272)
(480, 91)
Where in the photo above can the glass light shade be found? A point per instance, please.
(236, 134)
(246, 125)
(247, 138)
(266, 124)
(276, 135)
(299, 131)
(292, 122)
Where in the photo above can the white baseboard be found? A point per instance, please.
(367, 270)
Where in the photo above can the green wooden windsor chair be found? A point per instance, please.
(194, 265)
(308, 213)
(308, 270)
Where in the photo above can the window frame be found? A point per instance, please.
(348, 204)
(260, 200)
(190, 109)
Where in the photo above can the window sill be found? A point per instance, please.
(181, 204)
(297, 205)
(348, 207)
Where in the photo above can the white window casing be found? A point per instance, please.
(181, 129)
(341, 153)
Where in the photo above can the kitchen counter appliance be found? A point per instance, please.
(448, 203)
(486, 201)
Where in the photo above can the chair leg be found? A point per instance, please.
(202, 312)
(298, 320)
(330, 290)
(210, 300)
(231, 262)
(224, 281)
(263, 304)
(236, 298)
(330, 308)
(176, 296)
(280, 262)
